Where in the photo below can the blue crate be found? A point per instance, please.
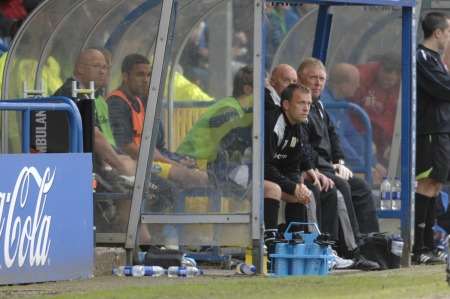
(307, 258)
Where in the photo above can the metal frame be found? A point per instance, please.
(152, 116)
(47, 104)
(408, 138)
(196, 218)
(322, 36)
(257, 224)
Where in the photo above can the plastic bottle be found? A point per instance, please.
(246, 269)
(122, 271)
(155, 271)
(385, 195)
(395, 191)
(397, 246)
(188, 262)
(176, 271)
(139, 271)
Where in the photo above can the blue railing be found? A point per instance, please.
(362, 115)
(47, 104)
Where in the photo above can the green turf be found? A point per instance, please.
(420, 282)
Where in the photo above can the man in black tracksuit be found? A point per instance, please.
(286, 156)
(329, 156)
(433, 128)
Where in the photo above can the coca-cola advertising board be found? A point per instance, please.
(46, 218)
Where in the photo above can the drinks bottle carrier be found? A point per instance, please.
(301, 253)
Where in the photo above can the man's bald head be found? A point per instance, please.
(282, 76)
(91, 65)
(344, 80)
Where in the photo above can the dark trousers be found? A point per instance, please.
(425, 216)
(359, 202)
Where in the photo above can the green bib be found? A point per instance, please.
(203, 140)
(102, 114)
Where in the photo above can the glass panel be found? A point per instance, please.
(20, 66)
(364, 69)
(210, 168)
(197, 234)
(26, 54)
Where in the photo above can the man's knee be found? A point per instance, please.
(329, 197)
(272, 190)
(343, 186)
(429, 187)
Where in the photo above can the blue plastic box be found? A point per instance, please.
(307, 258)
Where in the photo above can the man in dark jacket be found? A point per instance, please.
(285, 154)
(433, 128)
(329, 156)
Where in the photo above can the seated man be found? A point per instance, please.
(281, 76)
(286, 156)
(285, 153)
(330, 158)
(378, 94)
(127, 113)
(342, 85)
(91, 66)
(203, 140)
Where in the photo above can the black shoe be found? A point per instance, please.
(361, 263)
(427, 258)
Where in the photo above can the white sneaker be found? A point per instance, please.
(341, 263)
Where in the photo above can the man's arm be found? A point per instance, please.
(271, 171)
(106, 152)
(336, 150)
(431, 77)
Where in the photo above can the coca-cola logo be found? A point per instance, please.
(24, 226)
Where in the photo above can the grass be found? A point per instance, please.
(416, 282)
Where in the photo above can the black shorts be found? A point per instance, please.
(433, 157)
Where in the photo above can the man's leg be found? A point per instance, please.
(272, 197)
(432, 166)
(364, 205)
(343, 187)
(329, 218)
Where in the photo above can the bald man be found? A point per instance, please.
(91, 65)
(342, 85)
(282, 75)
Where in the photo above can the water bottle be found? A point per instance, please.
(397, 246)
(122, 271)
(188, 262)
(246, 269)
(395, 191)
(155, 271)
(176, 271)
(139, 271)
(385, 195)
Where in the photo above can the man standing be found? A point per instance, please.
(433, 129)
(330, 158)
